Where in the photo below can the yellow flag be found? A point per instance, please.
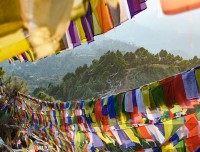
(80, 30)
(168, 148)
(130, 133)
(13, 44)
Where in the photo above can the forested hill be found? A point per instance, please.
(114, 72)
(53, 68)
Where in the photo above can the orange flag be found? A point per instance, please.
(104, 16)
(171, 7)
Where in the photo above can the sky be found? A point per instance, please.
(179, 34)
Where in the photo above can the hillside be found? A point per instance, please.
(146, 74)
(114, 72)
(53, 68)
(141, 75)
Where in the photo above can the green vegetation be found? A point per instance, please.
(150, 73)
(115, 72)
(45, 71)
(12, 85)
(2, 72)
(15, 83)
(99, 77)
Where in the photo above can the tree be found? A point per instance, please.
(170, 59)
(142, 55)
(44, 96)
(81, 69)
(163, 54)
(14, 83)
(184, 65)
(178, 59)
(37, 90)
(141, 52)
(155, 59)
(68, 76)
(130, 59)
(2, 72)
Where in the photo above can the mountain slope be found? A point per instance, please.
(53, 68)
(116, 72)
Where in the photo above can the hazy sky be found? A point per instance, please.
(153, 30)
